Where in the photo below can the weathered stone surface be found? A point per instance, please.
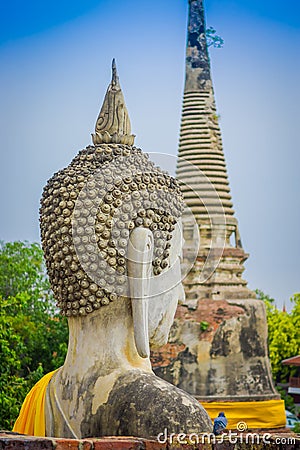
(197, 60)
(118, 444)
(227, 360)
(10, 441)
(140, 405)
(112, 127)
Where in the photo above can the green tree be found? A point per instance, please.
(283, 335)
(33, 336)
(12, 386)
(213, 40)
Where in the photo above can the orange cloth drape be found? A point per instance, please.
(263, 414)
(31, 419)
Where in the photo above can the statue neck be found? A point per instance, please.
(101, 349)
(103, 342)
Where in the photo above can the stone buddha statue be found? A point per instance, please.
(110, 227)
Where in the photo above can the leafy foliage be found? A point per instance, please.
(204, 325)
(33, 337)
(296, 428)
(283, 336)
(288, 399)
(213, 40)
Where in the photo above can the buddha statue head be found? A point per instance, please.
(110, 226)
(109, 223)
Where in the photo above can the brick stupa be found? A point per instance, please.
(217, 348)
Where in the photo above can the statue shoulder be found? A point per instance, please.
(141, 404)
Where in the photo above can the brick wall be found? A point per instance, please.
(13, 441)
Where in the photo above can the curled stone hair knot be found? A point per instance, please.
(87, 213)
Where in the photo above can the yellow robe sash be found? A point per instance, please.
(31, 419)
(244, 415)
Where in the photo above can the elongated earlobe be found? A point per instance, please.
(139, 265)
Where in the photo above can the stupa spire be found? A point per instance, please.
(198, 77)
(201, 169)
(217, 349)
(200, 147)
(113, 123)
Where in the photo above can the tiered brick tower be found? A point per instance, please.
(217, 349)
(202, 170)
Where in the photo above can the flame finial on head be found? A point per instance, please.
(115, 78)
(113, 123)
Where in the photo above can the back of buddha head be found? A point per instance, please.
(89, 209)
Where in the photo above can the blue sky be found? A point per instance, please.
(55, 59)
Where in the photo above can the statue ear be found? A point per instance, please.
(139, 266)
